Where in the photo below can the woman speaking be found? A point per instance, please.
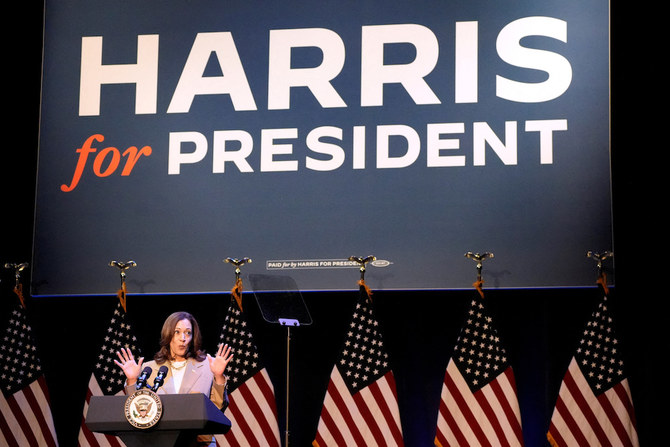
(190, 370)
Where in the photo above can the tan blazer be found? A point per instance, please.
(198, 378)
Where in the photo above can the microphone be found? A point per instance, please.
(160, 377)
(142, 379)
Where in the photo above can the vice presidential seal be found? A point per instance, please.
(143, 408)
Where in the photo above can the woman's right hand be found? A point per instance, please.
(130, 367)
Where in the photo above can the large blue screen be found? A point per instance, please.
(177, 134)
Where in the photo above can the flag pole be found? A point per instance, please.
(122, 266)
(18, 287)
(479, 258)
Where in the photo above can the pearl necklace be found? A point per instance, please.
(177, 367)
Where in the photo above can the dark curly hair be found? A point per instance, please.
(167, 334)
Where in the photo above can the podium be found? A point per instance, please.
(184, 417)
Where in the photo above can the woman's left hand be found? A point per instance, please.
(219, 363)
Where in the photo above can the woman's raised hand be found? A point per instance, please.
(219, 363)
(130, 367)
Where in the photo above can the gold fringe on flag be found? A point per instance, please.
(602, 280)
(236, 292)
(18, 289)
(361, 282)
(551, 440)
(478, 285)
(122, 296)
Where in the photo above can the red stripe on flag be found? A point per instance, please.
(510, 413)
(614, 420)
(583, 405)
(491, 417)
(370, 422)
(570, 422)
(338, 400)
(386, 410)
(556, 437)
(333, 429)
(256, 410)
(92, 438)
(625, 399)
(230, 440)
(465, 410)
(88, 434)
(39, 417)
(266, 390)
(42, 382)
(240, 418)
(451, 422)
(392, 385)
(7, 433)
(21, 419)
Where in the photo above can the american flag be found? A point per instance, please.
(107, 378)
(24, 401)
(361, 404)
(479, 404)
(594, 405)
(252, 409)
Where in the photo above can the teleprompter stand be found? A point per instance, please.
(284, 306)
(185, 416)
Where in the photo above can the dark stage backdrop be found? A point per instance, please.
(539, 325)
(178, 134)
